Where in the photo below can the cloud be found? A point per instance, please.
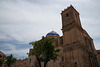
(22, 17)
(19, 54)
(97, 43)
(18, 49)
(7, 46)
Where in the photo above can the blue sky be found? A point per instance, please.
(23, 21)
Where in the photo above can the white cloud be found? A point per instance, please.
(4, 37)
(8, 49)
(22, 53)
(97, 44)
(7, 46)
(22, 20)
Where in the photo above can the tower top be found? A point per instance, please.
(70, 18)
(68, 8)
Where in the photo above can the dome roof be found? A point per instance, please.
(52, 33)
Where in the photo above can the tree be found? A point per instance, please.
(44, 50)
(10, 60)
(1, 62)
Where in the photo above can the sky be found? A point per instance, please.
(23, 21)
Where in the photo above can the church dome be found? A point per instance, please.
(52, 33)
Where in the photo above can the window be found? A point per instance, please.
(67, 15)
(0, 55)
(98, 52)
(30, 61)
(53, 38)
(75, 14)
(62, 58)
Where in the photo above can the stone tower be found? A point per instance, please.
(71, 26)
(78, 47)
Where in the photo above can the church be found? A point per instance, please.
(76, 46)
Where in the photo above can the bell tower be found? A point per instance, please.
(78, 47)
(71, 25)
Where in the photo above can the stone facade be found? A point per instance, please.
(18, 63)
(2, 56)
(98, 57)
(76, 46)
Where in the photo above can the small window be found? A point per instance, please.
(30, 61)
(0, 55)
(75, 14)
(67, 15)
(53, 38)
(98, 52)
(62, 58)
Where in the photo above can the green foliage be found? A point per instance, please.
(1, 62)
(10, 60)
(45, 49)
